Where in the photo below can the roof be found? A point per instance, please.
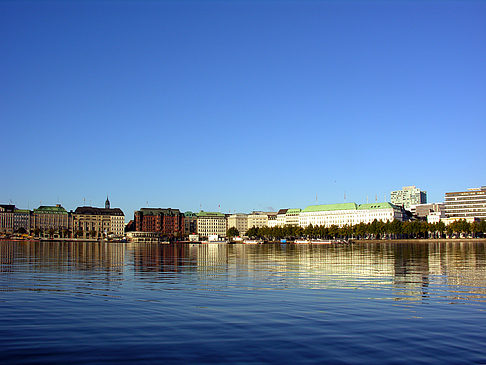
(189, 214)
(7, 207)
(293, 211)
(159, 211)
(330, 207)
(209, 214)
(376, 206)
(49, 209)
(25, 211)
(282, 211)
(98, 211)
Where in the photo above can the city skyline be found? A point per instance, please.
(239, 106)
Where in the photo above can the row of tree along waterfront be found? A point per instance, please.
(375, 230)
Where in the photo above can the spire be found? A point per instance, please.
(107, 203)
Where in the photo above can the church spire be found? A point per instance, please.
(107, 203)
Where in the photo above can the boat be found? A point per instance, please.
(302, 241)
(252, 242)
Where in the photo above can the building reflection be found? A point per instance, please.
(62, 256)
(407, 271)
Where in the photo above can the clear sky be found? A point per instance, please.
(246, 105)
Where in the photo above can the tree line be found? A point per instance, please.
(376, 230)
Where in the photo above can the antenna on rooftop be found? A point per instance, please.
(376, 198)
(366, 199)
(344, 196)
(316, 197)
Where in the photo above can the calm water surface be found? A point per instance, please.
(361, 303)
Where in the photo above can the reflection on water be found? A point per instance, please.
(374, 303)
(410, 268)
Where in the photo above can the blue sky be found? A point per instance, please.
(245, 104)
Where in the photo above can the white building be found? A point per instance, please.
(257, 219)
(435, 217)
(239, 221)
(349, 214)
(211, 223)
(466, 204)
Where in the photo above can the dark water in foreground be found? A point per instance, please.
(362, 303)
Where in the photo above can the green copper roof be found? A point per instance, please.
(293, 211)
(209, 214)
(22, 211)
(44, 209)
(330, 207)
(375, 206)
(189, 214)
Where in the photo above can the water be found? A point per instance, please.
(361, 303)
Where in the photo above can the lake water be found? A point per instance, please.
(402, 303)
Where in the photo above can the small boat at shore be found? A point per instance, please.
(319, 242)
(252, 242)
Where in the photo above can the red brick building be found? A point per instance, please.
(168, 222)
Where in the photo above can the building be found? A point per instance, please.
(92, 222)
(292, 217)
(435, 217)
(22, 220)
(7, 218)
(190, 223)
(166, 221)
(211, 223)
(239, 221)
(349, 214)
(272, 219)
(423, 210)
(408, 196)
(280, 220)
(466, 204)
(257, 219)
(51, 221)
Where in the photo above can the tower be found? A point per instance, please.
(107, 203)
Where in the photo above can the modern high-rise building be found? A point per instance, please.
(466, 204)
(408, 196)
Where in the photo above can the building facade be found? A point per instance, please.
(238, 221)
(22, 220)
(466, 204)
(92, 222)
(423, 210)
(7, 218)
(349, 214)
(166, 221)
(51, 221)
(211, 223)
(408, 196)
(190, 223)
(257, 219)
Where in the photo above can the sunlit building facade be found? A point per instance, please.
(238, 221)
(349, 214)
(466, 204)
(211, 223)
(408, 196)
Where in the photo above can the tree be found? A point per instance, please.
(232, 232)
